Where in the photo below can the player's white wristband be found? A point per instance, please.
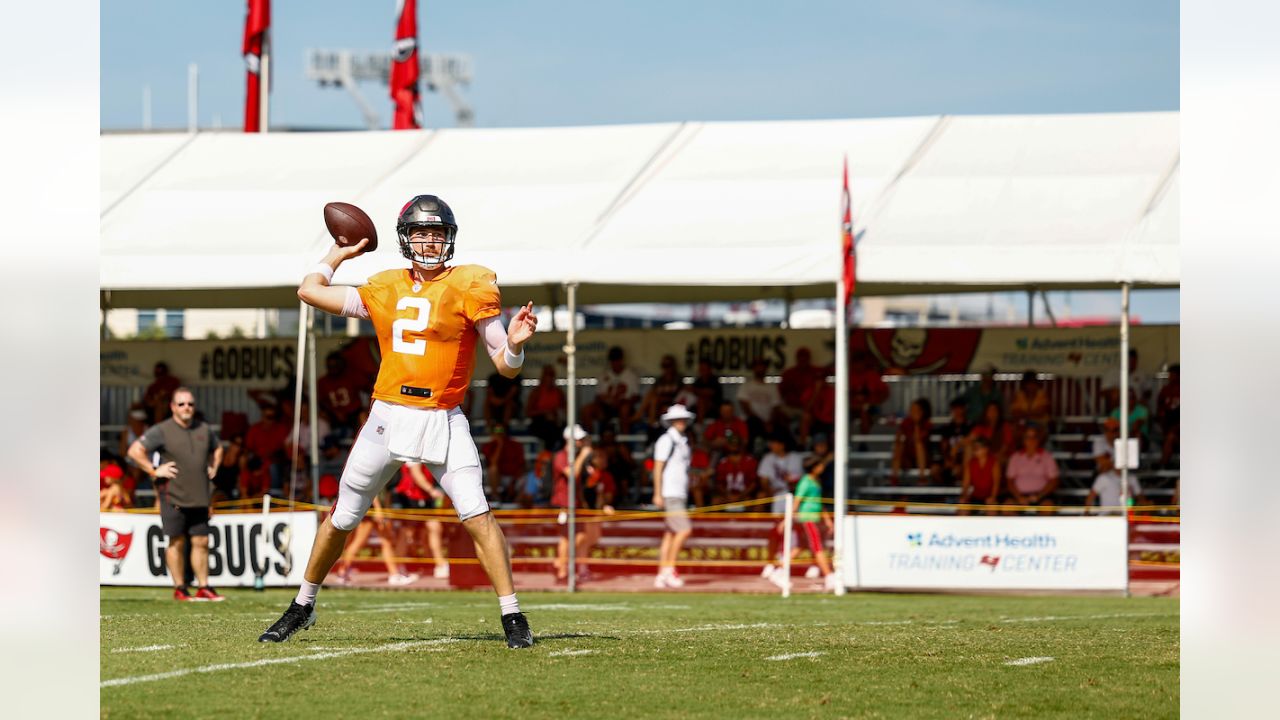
(513, 361)
(322, 269)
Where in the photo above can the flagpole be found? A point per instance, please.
(842, 385)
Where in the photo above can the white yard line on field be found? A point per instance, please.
(567, 653)
(392, 647)
(1052, 618)
(148, 648)
(793, 656)
(1029, 661)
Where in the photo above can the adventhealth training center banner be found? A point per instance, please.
(1079, 352)
(986, 553)
(131, 548)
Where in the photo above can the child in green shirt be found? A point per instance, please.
(808, 511)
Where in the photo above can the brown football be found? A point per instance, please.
(349, 224)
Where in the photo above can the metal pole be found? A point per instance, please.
(1031, 308)
(193, 97)
(313, 415)
(299, 370)
(1122, 453)
(841, 429)
(571, 448)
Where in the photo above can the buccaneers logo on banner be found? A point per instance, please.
(114, 546)
(919, 351)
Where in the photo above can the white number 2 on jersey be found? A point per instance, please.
(415, 325)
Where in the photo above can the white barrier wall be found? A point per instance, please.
(131, 548)
(986, 553)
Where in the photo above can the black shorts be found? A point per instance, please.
(178, 521)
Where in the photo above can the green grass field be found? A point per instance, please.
(422, 654)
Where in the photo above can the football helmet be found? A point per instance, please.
(426, 211)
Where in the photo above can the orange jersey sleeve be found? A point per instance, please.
(426, 332)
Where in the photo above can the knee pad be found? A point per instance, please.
(368, 468)
(465, 488)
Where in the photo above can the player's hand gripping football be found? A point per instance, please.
(522, 327)
(339, 252)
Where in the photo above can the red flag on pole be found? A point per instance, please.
(848, 252)
(256, 22)
(404, 67)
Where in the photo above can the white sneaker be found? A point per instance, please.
(829, 582)
(768, 571)
(813, 572)
(660, 581)
(441, 572)
(779, 578)
(674, 581)
(403, 579)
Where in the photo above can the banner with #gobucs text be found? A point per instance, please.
(921, 552)
(131, 549)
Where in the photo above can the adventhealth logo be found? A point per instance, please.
(1036, 541)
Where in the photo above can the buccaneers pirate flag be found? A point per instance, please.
(256, 23)
(848, 252)
(404, 67)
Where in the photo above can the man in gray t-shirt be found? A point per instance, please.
(190, 455)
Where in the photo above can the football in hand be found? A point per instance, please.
(349, 224)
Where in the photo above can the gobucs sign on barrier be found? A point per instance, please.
(242, 546)
(1011, 553)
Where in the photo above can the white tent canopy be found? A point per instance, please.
(681, 211)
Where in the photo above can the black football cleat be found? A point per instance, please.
(297, 617)
(517, 629)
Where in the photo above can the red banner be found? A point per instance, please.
(404, 67)
(256, 23)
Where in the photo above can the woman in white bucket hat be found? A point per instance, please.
(671, 490)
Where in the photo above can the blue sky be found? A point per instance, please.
(583, 62)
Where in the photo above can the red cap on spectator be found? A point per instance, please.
(111, 472)
(328, 485)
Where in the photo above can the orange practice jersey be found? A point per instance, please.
(427, 335)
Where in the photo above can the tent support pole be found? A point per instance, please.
(299, 375)
(1031, 307)
(1124, 424)
(841, 432)
(570, 351)
(312, 415)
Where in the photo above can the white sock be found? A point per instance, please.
(307, 593)
(509, 604)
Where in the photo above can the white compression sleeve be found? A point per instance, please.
(495, 336)
(354, 307)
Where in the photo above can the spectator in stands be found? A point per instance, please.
(981, 478)
(798, 383)
(504, 461)
(1139, 381)
(952, 441)
(159, 394)
(979, 396)
(702, 470)
(1032, 472)
(662, 395)
(266, 441)
(1105, 444)
(534, 480)
(113, 491)
(617, 394)
(501, 400)
(1030, 403)
(622, 465)
(340, 394)
(190, 455)
(736, 478)
(1139, 416)
(227, 481)
(417, 490)
(779, 470)
(707, 388)
(808, 512)
(562, 475)
(761, 404)
(997, 432)
(724, 425)
(823, 451)
(255, 477)
(671, 461)
(913, 447)
(303, 441)
(545, 409)
(135, 426)
(1168, 404)
(867, 390)
(374, 520)
(1105, 492)
(820, 417)
(598, 491)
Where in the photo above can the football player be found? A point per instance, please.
(428, 319)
